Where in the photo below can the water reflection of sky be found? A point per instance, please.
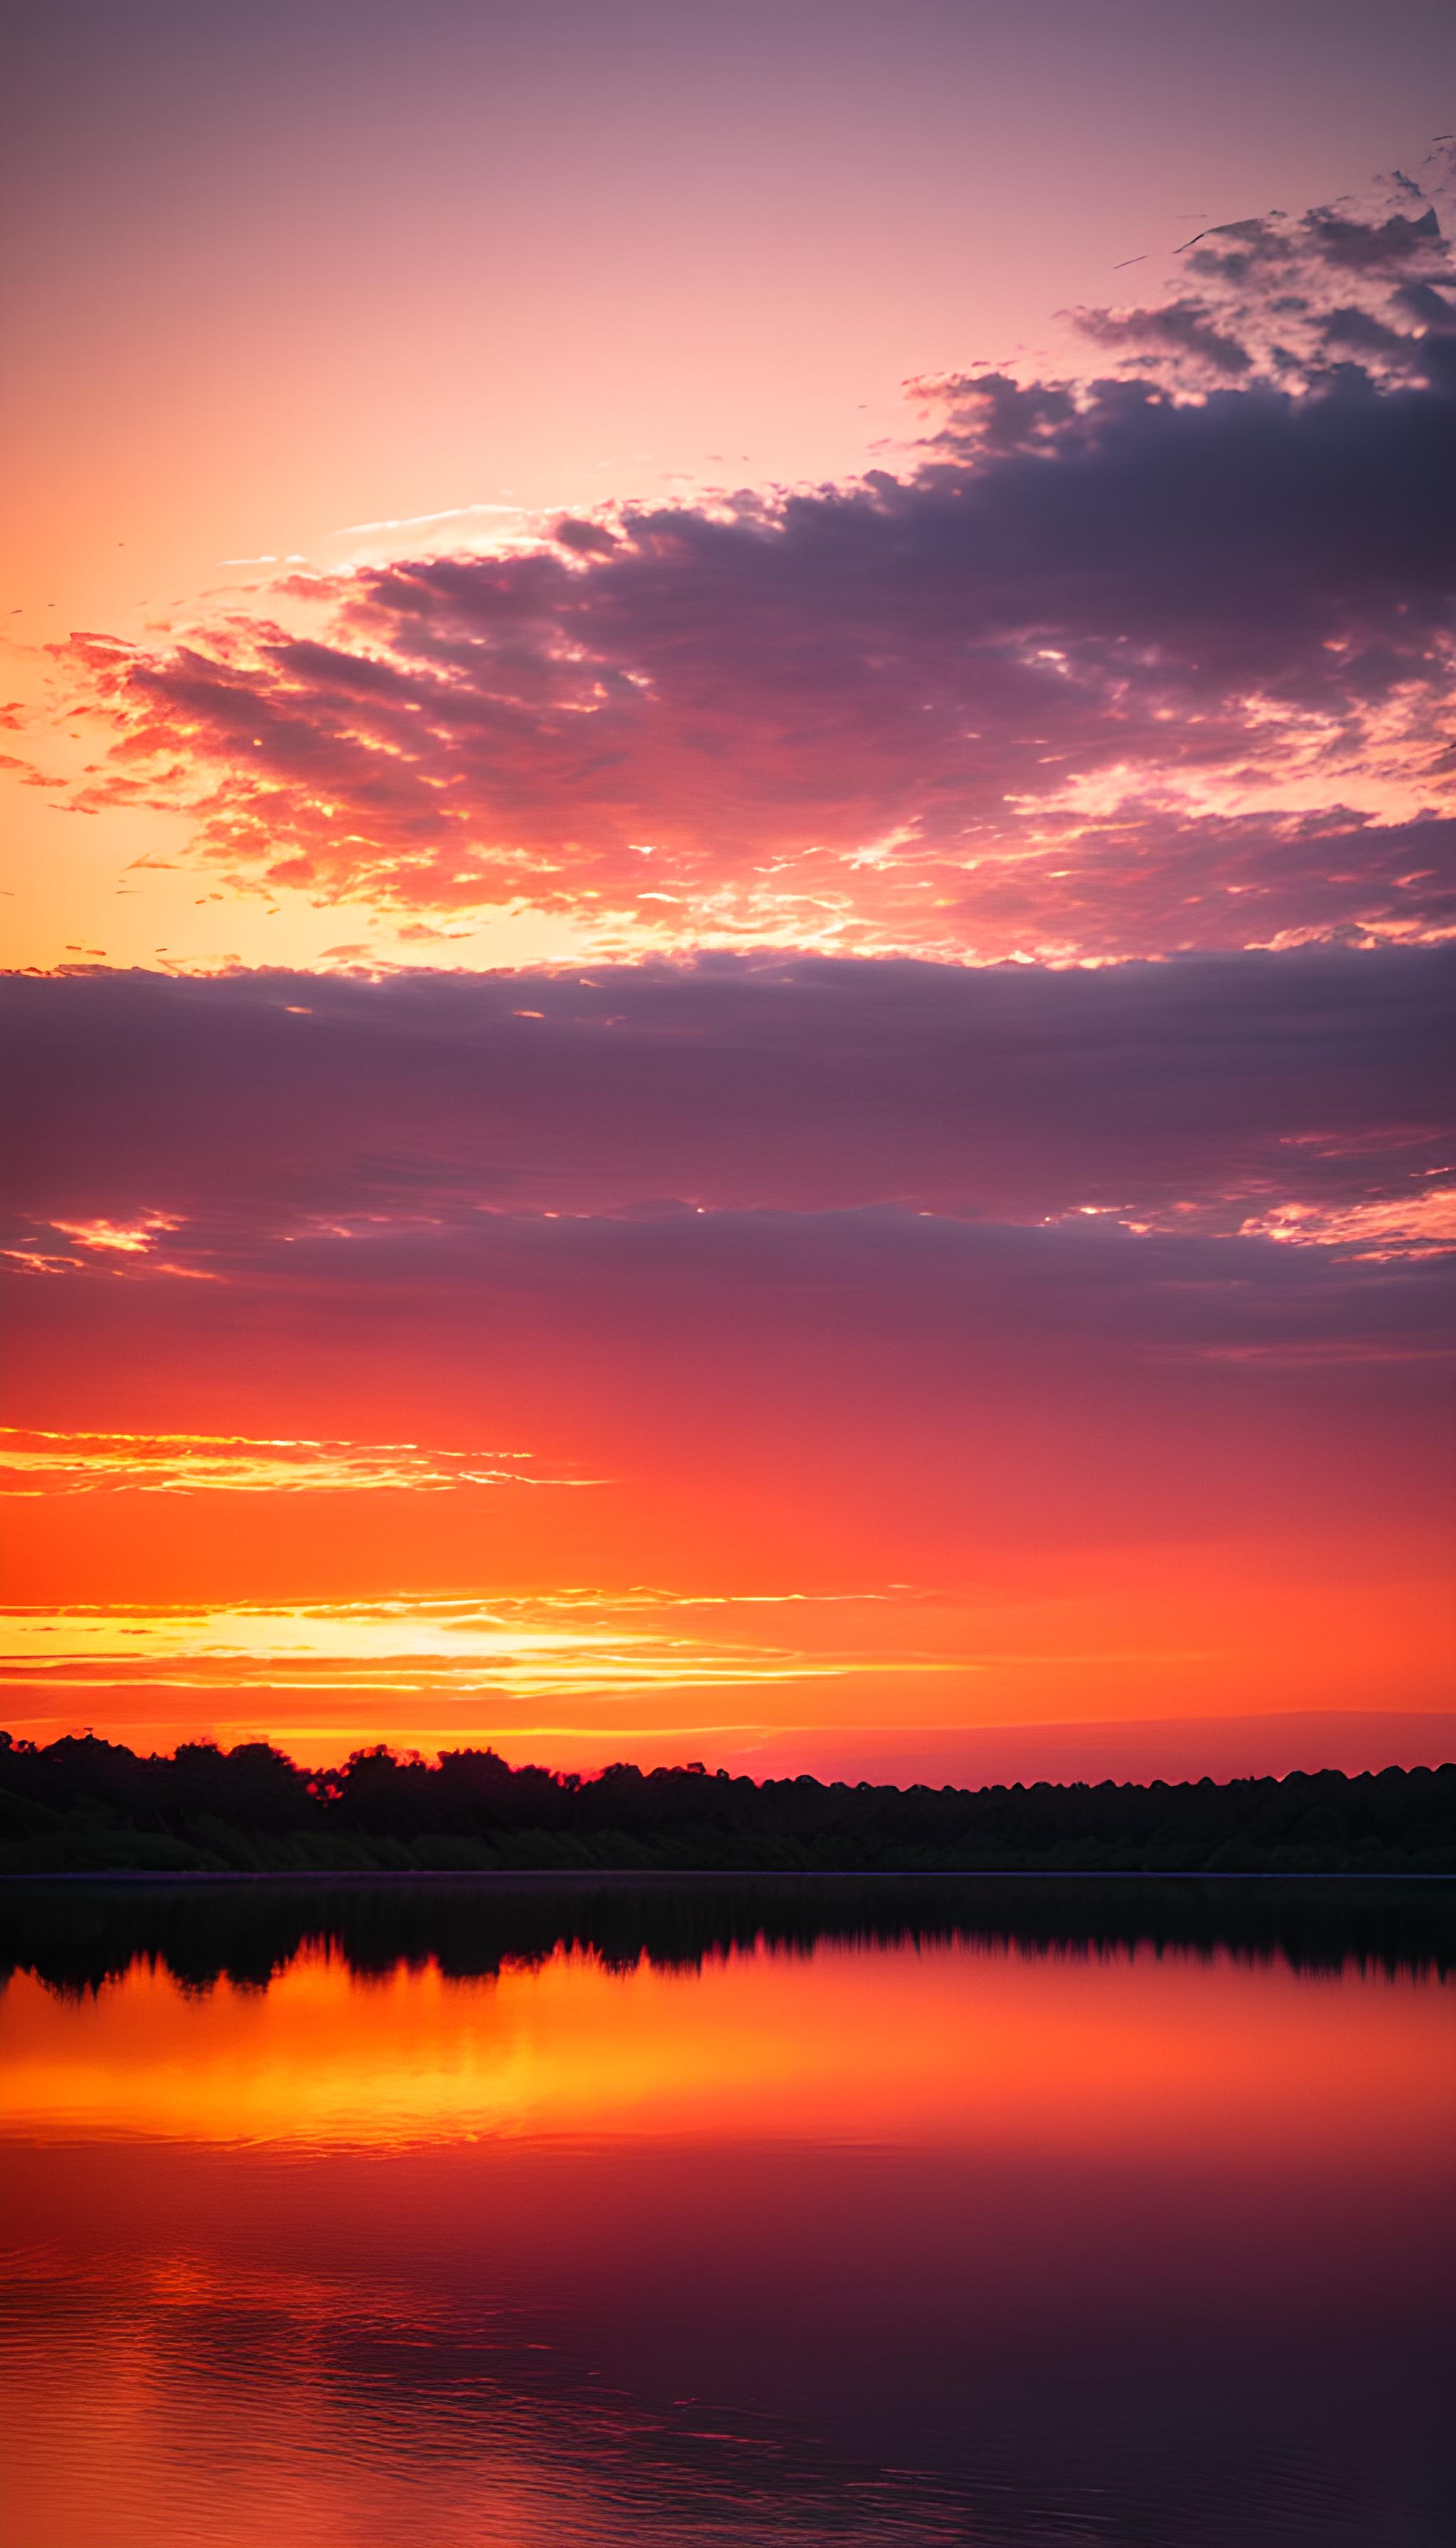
(922, 2244)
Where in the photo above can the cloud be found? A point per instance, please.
(1288, 300)
(642, 1291)
(422, 521)
(108, 1243)
(913, 1183)
(124, 1238)
(786, 1395)
(1115, 667)
(262, 1107)
(1183, 328)
(39, 1462)
(857, 1268)
(1413, 1225)
(588, 1645)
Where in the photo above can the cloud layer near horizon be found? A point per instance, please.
(832, 1220)
(1150, 663)
(1204, 1094)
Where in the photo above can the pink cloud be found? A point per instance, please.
(1117, 668)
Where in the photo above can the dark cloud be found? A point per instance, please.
(916, 1377)
(1116, 668)
(927, 1252)
(1279, 296)
(797, 1284)
(1217, 1085)
(1183, 328)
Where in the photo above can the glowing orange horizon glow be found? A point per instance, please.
(580, 1676)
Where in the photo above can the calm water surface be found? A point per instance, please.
(330, 2230)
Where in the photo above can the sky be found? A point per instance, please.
(772, 705)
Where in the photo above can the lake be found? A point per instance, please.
(507, 2214)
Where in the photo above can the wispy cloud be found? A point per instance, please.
(35, 1462)
(428, 522)
(124, 1238)
(114, 1246)
(1422, 1223)
(575, 1645)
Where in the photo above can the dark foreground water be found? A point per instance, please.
(690, 2214)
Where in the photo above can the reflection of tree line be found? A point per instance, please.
(78, 1936)
(86, 1805)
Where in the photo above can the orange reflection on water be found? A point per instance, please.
(956, 2045)
(899, 2244)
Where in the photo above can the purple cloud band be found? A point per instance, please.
(1208, 1088)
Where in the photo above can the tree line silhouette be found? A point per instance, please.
(85, 1805)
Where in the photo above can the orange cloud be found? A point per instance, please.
(1413, 1224)
(37, 1462)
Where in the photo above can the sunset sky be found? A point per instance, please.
(770, 698)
